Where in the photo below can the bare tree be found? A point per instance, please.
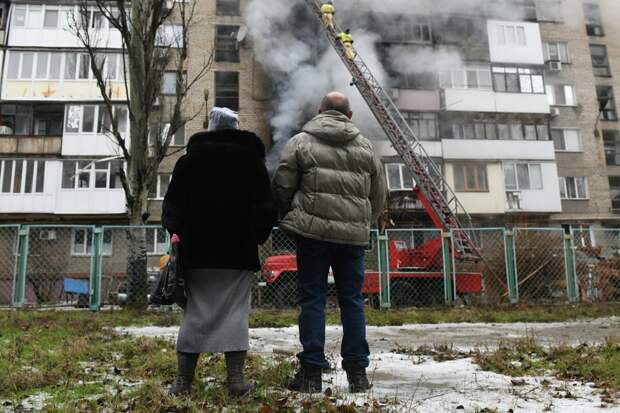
(155, 39)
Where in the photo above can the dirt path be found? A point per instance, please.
(405, 383)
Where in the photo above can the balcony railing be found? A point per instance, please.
(30, 145)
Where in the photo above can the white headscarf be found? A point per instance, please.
(223, 118)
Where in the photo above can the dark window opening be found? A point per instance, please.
(226, 48)
(228, 8)
(600, 60)
(606, 102)
(611, 138)
(227, 90)
(594, 22)
(31, 120)
(614, 186)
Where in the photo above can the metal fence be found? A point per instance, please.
(90, 266)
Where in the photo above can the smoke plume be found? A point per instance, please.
(290, 44)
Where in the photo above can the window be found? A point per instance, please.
(70, 65)
(169, 83)
(566, 140)
(511, 35)
(614, 186)
(82, 242)
(22, 176)
(399, 177)
(99, 21)
(424, 125)
(121, 114)
(19, 19)
(91, 174)
(600, 61)
(178, 139)
(159, 188)
(522, 176)
(561, 95)
(606, 102)
(169, 35)
(50, 21)
(33, 120)
(403, 28)
(611, 138)
(470, 77)
(471, 177)
(491, 130)
(227, 90)
(156, 241)
(549, 10)
(27, 65)
(574, 187)
(594, 22)
(228, 8)
(518, 80)
(35, 17)
(226, 49)
(83, 70)
(556, 51)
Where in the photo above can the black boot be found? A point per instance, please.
(306, 380)
(235, 362)
(187, 366)
(358, 382)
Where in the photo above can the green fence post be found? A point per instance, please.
(19, 291)
(384, 272)
(95, 271)
(448, 268)
(571, 268)
(511, 266)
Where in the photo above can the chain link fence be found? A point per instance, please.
(131, 258)
(89, 266)
(483, 281)
(598, 264)
(415, 268)
(8, 263)
(59, 265)
(276, 283)
(541, 265)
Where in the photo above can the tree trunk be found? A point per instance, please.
(137, 277)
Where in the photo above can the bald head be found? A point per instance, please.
(336, 101)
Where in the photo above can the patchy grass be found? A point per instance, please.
(75, 362)
(288, 317)
(598, 364)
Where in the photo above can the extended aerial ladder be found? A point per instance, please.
(439, 200)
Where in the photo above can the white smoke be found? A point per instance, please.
(406, 60)
(291, 45)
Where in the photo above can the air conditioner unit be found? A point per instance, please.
(554, 65)
(47, 235)
(394, 94)
(555, 112)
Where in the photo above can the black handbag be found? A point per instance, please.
(170, 287)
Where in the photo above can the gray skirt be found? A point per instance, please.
(218, 307)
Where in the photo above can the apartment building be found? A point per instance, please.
(57, 163)
(513, 126)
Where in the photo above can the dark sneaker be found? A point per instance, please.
(358, 381)
(306, 380)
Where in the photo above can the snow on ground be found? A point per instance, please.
(406, 383)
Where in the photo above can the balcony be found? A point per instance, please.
(30, 145)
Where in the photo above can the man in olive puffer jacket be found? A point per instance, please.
(330, 189)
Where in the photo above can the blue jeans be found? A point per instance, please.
(314, 258)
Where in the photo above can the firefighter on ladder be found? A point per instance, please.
(327, 11)
(347, 42)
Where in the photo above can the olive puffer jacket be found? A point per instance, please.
(330, 184)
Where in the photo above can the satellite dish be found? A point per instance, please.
(242, 33)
